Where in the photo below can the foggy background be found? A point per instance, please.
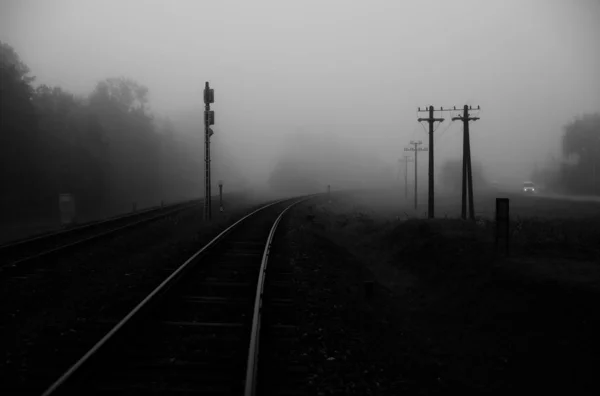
(327, 90)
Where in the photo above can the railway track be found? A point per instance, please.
(216, 326)
(15, 256)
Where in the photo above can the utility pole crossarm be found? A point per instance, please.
(460, 118)
(426, 109)
(431, 119)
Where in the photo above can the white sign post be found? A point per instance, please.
(66, 203)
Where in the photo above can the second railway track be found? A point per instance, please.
(202, 330)
(13, 256)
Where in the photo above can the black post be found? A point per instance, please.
(208, 121)
(464, 166)
(430, 203)
(469, 169)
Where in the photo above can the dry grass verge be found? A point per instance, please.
(453, 315)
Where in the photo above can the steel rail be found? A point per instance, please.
(59, 248)
(253, 351)
(62, 381)
(81, 227)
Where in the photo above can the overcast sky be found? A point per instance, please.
(363, 66)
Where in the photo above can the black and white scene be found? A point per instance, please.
(299, 197)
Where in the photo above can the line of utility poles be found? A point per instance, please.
(467, 174)
(467, 181)
(209, 119)
(416, 149)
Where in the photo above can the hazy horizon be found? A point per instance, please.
(359, 69)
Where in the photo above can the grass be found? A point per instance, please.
(491, 322)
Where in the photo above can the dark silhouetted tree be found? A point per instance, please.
(18, 135)
(581, 142)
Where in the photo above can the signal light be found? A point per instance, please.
(209, 117)
(209, 95)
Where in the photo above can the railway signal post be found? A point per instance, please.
(431, 120)
(209, 119)
(416, 149)
(467, 176)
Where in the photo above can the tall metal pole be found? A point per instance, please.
(469, 169)
(207, 200)
(463, 201)
(208, 121)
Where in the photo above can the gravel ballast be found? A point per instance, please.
(50, 318)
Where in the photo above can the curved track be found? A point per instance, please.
(199, 331)
(14, 256)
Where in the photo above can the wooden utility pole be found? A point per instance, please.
(209, 119)
(467, 175)
(431, 120)
(416, 150)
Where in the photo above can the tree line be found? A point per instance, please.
(578, 171)
(106, 148)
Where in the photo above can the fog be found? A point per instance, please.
(355, 71)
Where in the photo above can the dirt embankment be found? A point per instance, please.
(448, 314)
